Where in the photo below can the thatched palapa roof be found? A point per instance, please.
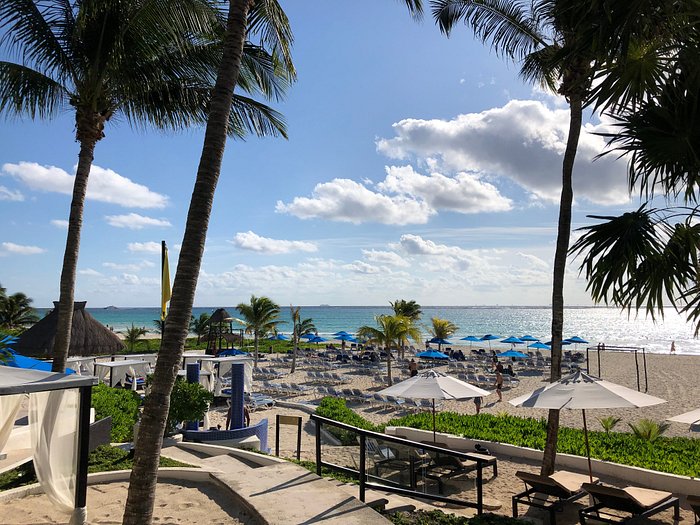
(88, 336)
(220, 315)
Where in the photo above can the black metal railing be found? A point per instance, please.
(421, 458)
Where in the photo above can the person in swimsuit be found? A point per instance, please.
(499, 381)
(413, 368)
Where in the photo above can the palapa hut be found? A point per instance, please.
(88, 336)
(221, 332)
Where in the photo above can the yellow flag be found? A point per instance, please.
(165, 282)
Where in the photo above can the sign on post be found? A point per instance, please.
(288, 420)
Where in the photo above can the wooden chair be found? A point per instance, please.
(614, 505)
(549, 493)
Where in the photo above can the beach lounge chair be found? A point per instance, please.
(549, 493)
(614, 505)
(694, 502)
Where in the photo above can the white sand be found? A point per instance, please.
(176, 503)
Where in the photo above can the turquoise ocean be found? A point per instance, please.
(596, 325)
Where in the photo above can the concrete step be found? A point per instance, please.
(178, 454)
(226, 464)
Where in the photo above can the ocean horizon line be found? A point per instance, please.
(478, 306)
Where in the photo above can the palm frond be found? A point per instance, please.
(506, 26)
(270, 24)
(36, 32)
(24, 91)
(261, 73)
(251, 116)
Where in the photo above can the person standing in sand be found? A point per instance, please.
(499, 381)
(673, 348)
(477, 404)
(413, 368)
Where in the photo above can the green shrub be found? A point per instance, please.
(648, 430)
(609, 423)
(123, 407)
(676, 455)
(188, 402)
(335, 408)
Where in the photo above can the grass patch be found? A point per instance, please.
(102, 459)
(325, 471)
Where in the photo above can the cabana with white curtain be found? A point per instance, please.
(221, 366)
(114, 372)
(59, 420)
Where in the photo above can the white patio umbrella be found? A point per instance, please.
(583, 391)
(691, 418)
(434, 385)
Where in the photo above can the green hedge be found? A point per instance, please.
(335, 408)
(122, 405)
(676, 455)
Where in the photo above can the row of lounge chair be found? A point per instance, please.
(610, 504)
(325, 377)
(266, 373)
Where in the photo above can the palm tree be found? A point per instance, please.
(16, 311)
(441, 329)
(545, 36)
(200, 325)
(410, 309)
(245, 19)
(158, 325)
(150, 65)
(300, 327)
(133, 335)
(261, 316)
(391, 331)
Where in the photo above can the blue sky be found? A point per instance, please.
(417, 167)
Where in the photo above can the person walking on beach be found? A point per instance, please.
(499, 381)
(673, 348)
(413, 368)
(477, 404)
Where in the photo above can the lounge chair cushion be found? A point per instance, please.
(570, 481)
(647, 498)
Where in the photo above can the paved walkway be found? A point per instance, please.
(284, 492)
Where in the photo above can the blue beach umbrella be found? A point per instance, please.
(513, 340)
(232, 352)
(308, 336)
(576, 340)
(15, 360)
(343, 332)
(317, 339)
(539, 346)
(489, 338)
(432, 354)
(529, 338)
(345, 337)
(471, 338)
(563, 343)
(278, 337)
(439, 341)
(512, 353)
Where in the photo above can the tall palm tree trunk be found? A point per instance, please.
(255, 346)
(88, 139)
(563, 236)
(388, 363)
(140, 500)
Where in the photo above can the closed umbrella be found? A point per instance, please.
(434, 385)
(582, 391)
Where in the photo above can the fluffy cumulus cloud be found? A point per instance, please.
(104, 185)
(144, 247)
(20, 249)
(463, 193)
(254, 242)
(6, 194)
(523, 140)
(128, 267)
(60, 223)
(386, 257)
(349, 201)
(134, 221)
(89, 272)
(362, 267)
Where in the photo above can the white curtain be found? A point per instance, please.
(248, 377)
(9, 405)
(53, 426)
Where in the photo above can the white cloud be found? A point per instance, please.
(349, 201)
(523, 140)
(145, 247)
(104, 185)
(361, 267)
(89, 272)
(60, 223)
(254, 242)
(464, 193)
(6, 194)
(128, 267)
(20, 249)
(134, 221)
(384, 257)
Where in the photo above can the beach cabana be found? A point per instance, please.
(115, 372)
(88, 336)
(59, 419)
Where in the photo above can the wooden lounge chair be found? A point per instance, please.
(613, 505)
(549, 493)
(694, 502)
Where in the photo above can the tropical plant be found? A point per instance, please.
(150, 64)
(391, 331)
(122, 405)
(300, 327)
(188, 402)
(649, 430)
(409, 309)
(16, 311)
(609, 423)
(442, 328)
(158, 325)
(200, 325)
(265, 20)
(133, 335)
(261, 317)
